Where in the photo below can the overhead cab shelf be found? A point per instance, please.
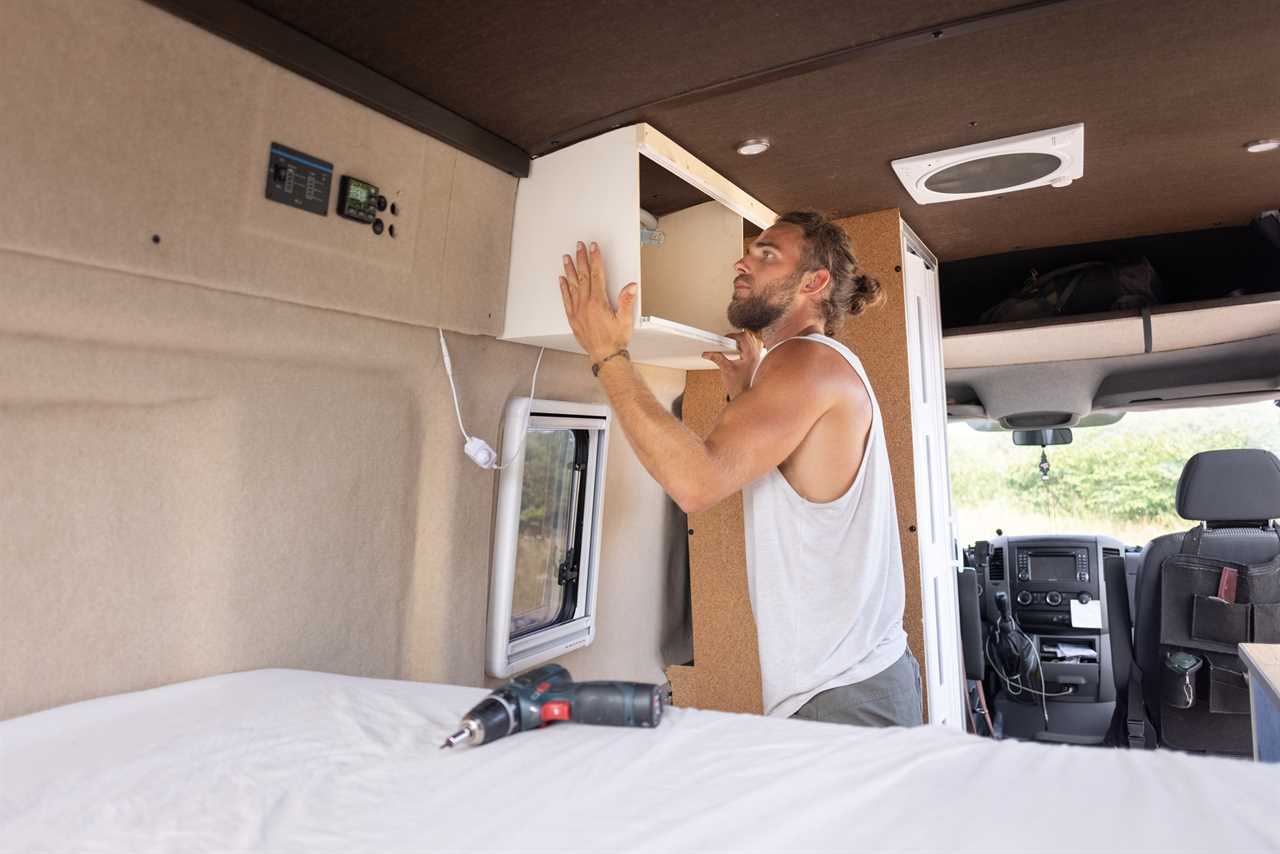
(1099, 336)
(591, 192)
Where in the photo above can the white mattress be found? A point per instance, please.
(283, 760)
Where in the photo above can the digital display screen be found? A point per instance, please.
(358, 200)
(1053, 567)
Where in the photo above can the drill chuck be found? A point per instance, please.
(492, 718)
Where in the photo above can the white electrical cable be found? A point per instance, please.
(524, 434)
(448, 369)
(480, 452)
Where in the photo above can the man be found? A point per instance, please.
(803, 439)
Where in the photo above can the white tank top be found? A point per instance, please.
(825, 579)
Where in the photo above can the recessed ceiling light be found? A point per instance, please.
(1257, 146)
(752, 147)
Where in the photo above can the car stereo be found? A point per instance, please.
(1054, 564)
(1047, 579)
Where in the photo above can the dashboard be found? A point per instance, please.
(1053, 582)
(1057, 592)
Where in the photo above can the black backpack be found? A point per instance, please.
(1081, 289)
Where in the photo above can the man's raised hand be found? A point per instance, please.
(599, 330)
(736, 373)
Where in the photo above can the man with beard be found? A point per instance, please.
(802, 437)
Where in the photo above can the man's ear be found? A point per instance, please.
(815, 281)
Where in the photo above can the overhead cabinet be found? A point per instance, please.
(1159, 329)
(593, 191)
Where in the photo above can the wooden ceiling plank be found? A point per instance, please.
(808, 65)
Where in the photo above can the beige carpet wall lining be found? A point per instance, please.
(236, 448)
(125, 124)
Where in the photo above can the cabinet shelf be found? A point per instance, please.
(659, 342)
(591, 192)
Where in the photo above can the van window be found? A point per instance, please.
(1118, 480)
(546, 532)
(549, 542)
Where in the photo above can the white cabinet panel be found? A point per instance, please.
(588, 192)
(591, 192)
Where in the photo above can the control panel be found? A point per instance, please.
(1048, 564)
(299, 180)
(303, 181)
(357, 200)
(1055, 586)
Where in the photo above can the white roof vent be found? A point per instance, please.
(1053, 157)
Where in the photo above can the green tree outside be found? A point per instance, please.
(1119, 480)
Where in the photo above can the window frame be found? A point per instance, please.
(575, 625)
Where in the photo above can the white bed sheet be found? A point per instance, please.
(285, 760)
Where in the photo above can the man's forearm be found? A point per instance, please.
(672, 453)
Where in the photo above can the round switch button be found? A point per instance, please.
(1053, 597)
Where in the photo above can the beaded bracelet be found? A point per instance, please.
(595, 368)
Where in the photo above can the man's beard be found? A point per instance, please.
(761, 309)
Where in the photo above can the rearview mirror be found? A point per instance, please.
(1061, 436)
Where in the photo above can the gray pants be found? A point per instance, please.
(890, 698)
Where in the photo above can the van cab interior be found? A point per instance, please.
(301, 460)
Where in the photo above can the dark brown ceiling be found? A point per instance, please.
(662, 192)
(1169, 91)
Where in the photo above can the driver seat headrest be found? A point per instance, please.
(1230, 486)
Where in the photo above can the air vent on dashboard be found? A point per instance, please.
(1107, 552)
(995, 567)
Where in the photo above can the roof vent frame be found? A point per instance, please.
(1022, 159)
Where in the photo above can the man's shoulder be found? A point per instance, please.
(816, 367)
(821, 358)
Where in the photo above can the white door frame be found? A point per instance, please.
(939, 556)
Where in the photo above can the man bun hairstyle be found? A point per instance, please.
(827, 247)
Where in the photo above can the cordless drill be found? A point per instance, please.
(549, 694)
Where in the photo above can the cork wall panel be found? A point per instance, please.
(726, 670)
(879, 339)
(726, 665)
(144, 142)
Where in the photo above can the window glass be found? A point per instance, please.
(1119, 479)
(547, 516)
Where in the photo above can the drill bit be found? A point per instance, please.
(467, 732)
(454, 739)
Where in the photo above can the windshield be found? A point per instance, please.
(1118, 480)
